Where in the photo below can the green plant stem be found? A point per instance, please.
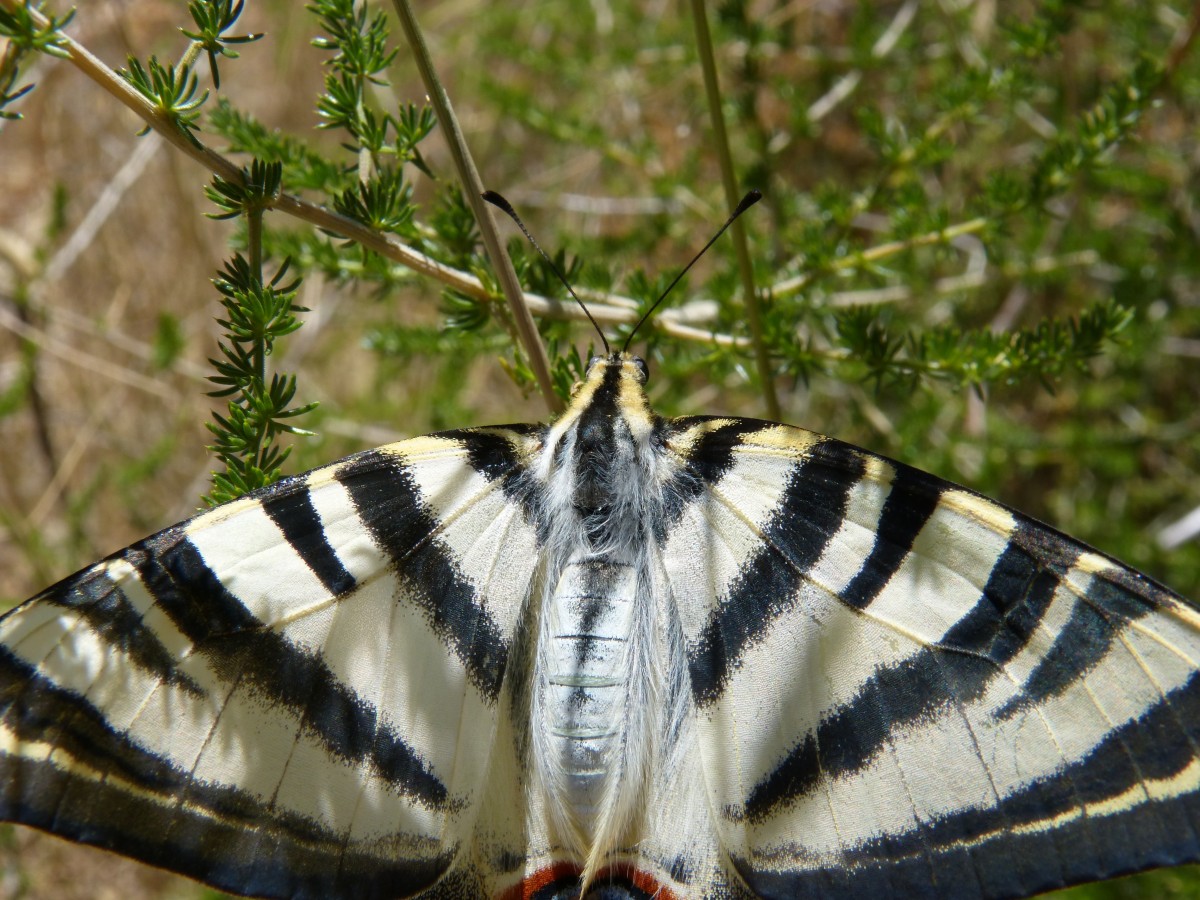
(878, 252)
(741, 248)
(254, 241)
(190, 55)
(254, 217)
(527, 332)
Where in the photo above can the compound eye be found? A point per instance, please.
(591, 363)
(643, 369)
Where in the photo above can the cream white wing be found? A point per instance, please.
(293, 695)
(903, 689)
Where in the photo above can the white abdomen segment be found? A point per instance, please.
(591, 617)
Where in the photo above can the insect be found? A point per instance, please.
(636, 656)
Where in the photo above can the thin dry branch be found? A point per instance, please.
(468, 175)
(77, 357)
(750, 298)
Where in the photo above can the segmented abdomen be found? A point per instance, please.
(591, 617)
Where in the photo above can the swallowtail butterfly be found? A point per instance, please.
(634, 656)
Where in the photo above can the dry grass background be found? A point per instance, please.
(102, 232)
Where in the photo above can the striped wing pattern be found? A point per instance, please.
(907, 690)
(894, 687)
(260, 697)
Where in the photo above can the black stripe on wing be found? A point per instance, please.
(37, 711)
(1018, 591)
(1036, 838)
(293, 513)
(106, 610)
(242, 651)
(958, 669)
(1088, 635)
(708, 459)
(913, 498)
(810, 512)
(388, 502)
(494, 455)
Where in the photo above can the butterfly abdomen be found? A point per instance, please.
(593, 716)
(591, 619)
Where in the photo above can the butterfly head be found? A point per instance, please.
(602, 444)
(629, 365)
(613, 389)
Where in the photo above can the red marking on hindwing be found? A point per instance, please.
(562, 875)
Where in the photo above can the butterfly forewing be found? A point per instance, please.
(908, 690)
(261, 697)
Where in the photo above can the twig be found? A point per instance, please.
(596, 206)
(84, 360)
(114, 190)
(33, 390)
(737, 232)
(52, 493)
(1178, 346)
(539, 363)
(1180, 531)
(880, 251)
(136, 348)
(1182, 44)
(898, 293)
(1018, 297)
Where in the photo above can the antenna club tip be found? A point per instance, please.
(752, 197)
(496, 200)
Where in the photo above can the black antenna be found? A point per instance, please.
(498, 201)
(748, 201)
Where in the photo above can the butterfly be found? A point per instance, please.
(617, 655)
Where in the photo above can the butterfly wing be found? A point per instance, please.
(293, 695)
(903, 689)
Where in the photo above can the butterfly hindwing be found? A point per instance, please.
(904, 689)
(260, 697)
